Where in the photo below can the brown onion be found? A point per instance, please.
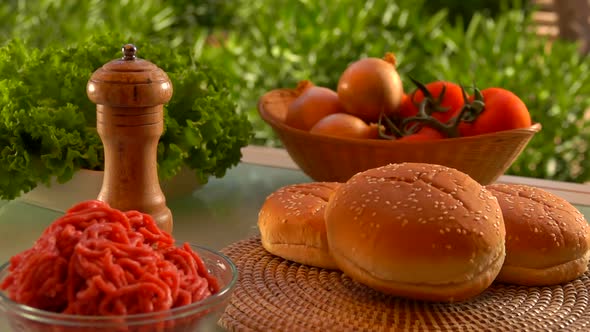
(345, 125)
(370, 86)
(313, 104)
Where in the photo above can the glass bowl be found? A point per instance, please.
(199, 316)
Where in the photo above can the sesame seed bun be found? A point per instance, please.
(417, 230)
(292, 226)
(547, 238)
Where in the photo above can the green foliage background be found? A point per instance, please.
(265, 44)
(48, 124)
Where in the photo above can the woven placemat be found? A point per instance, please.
(274, 294)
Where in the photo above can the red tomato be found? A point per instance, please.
(503, 111)
(373, 132)
(407, 107)
(452, 100)
(424, 134)
(344, 125)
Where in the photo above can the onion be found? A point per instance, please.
(344, 125)
(313, 104)
(370, 86)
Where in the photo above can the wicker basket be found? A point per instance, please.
(323, 158)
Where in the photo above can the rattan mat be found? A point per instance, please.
(274, 294)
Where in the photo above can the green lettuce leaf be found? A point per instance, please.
(48, 124)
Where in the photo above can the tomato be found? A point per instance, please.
(313, 104)
(503, 110)
(371, 86)
(373, 132)
(452, 100)
(424, 134)
(407, 108)
(344, 125)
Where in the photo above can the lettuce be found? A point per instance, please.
(48, 124)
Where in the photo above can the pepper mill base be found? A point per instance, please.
(163, 219)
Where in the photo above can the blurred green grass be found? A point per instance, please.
(265, 44)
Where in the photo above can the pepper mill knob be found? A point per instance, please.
(129, 51)
(130, 94)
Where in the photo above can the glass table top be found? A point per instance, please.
(215, 215)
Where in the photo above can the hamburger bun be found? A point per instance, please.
(292, 226)
(417, 230)
(547, 238)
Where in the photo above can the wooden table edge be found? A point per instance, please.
(574, 193)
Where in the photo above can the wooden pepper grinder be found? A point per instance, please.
(130, 93)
